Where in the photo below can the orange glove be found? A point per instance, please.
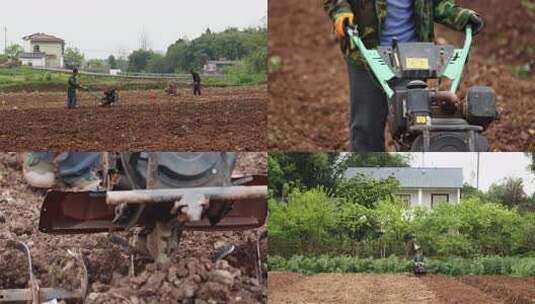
(340, 21)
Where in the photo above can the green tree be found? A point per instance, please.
(509, 193)
(179, 56)
(376, 160)
(138, 60)
(366, 191)
(231, 44)
(257, 60)
(122, 63)
(14, 50)
(95, 65)
(156, 63)
(471, 191)
(358, 200)
(73, 58)
(112, 62)
(306, 170)
(303, 224)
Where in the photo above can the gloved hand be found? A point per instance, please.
(476, 22)
(341, 21)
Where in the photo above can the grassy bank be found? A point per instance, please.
(512, 266)
(29, 80)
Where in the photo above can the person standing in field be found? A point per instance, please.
(378, 23)
(73, 84)
(196, 83)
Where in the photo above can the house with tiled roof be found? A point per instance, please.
(43, 50)
(419, 187)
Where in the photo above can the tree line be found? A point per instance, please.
(246, 45)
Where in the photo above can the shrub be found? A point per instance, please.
(47, 76)
(469, 228)
(352, 223)
(524, 267)
(305, 221)
(365, 191)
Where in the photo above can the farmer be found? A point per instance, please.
(196, 83)
(379, 21)
(171, 89)
(74, 84)
(110, 96)
(419, 260)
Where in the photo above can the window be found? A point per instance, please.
(36, 49)
(405, 200)
(437, 198)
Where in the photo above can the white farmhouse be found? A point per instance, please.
(43, 50)
(419, 187)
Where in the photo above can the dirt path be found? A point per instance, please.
(349, 288)
(308, 104)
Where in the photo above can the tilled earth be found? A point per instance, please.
(292, 288)
(192, 277)
(308, 107)
(223, 119)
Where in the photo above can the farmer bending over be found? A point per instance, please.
(171, 89)
(74, 84)
(378, 22)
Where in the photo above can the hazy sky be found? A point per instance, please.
(101, 27)
(494, 167)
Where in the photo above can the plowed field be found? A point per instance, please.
(291, 288)
(231, 119)
(191, 277)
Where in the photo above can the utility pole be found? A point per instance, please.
(477, 173)
(5, 40)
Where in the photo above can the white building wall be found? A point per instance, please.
(35, 62)
(426, 195)
(55, 49)
(27, 46)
